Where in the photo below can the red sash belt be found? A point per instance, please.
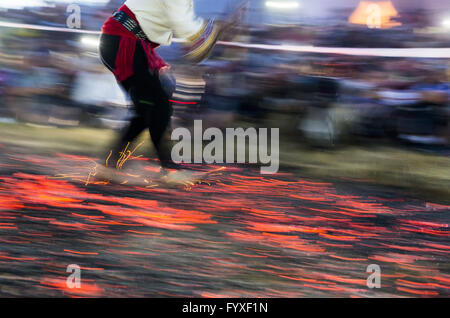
(125, 55)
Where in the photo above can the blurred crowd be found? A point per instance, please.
(56, 78)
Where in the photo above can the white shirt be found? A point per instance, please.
(161, 19)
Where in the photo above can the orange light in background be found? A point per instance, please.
(375, 14)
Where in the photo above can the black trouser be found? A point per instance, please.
(152, 108)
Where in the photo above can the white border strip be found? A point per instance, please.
(440, 53)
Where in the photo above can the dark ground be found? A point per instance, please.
(242, 235)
